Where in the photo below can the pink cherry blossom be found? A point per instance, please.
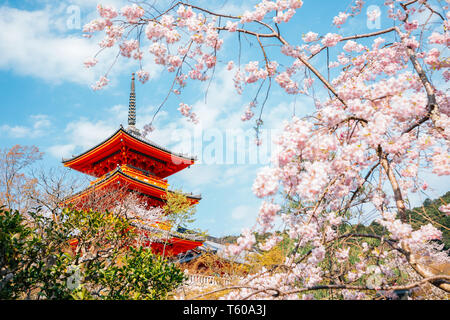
(266, 183)
(267, 214)
(271, 242)
(95, 25)
(127, 47)
(372, 126)
(103, 81)
(185, 109)
(340, 19)
(143, 76)
(445, 209)
(107, 12)
(287, 83)
(248, 115)
(90, 62)
(133, 13)
(310, 37)
(411, 25)
(353, 46)
(231, 26)
(331, 39)
(342, 254)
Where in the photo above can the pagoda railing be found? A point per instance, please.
(203, 280)
(142, 176)
(162, 227)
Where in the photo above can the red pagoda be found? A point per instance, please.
(128, 159)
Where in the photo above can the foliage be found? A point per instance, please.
(212, 264)
(429, 212)
(37, 261)
(141, 275)
(267, 259)
(179, 209)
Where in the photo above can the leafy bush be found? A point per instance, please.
(37, 260)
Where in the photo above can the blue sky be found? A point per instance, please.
(47, 100)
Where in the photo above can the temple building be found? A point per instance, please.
(139, 166)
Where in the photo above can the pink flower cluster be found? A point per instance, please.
(231, 26)
(267, 214)
(143, 76)
(164, 29)
(342, 254)
(340, 19)
(127, 47)
(107, 12)
(310, 37)
(285, 81)
(285, 10)
(186, 111)
(103, 81)
(353, 46)
(266, 183)
(439, 38)
(254, 73)
(248, 114)
(90, 62)
(133, 13)
(271, 242)
(411, 25)
(331, 39)
(96, 25)
(247, 240)
(445, 209)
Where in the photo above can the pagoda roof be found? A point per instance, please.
(174, 246)
(140, 146)
(152, 187)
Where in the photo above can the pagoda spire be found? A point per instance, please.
(132, 108)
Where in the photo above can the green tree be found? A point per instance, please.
(38, 262)
(179, 209)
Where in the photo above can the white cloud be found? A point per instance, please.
(29, 47)
(80, 136)
(62, 150)
(243, 216)
(38, 128)
(87, 134)
(241, 212)
(41, 121)
(15, 132)
(39, 44)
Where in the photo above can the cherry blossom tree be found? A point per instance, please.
(364, 147)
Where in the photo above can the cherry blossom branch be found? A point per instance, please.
(426, 4)
(400, 203)
(278, 292)
(366, 178)
(361, 36)
(418, 267)
(432, 106)
(423, 270)
(440, 278)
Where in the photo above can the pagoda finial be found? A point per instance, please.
(132, 105)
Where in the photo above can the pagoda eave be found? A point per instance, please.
(126, 147)
(119, 179)
(174, 246)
